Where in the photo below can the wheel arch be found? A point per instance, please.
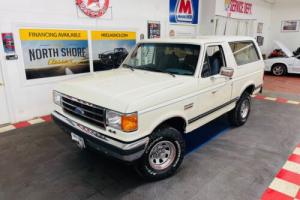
(280, 63)
(178, 122)
(249, 87)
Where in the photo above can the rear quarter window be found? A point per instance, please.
(244, 52)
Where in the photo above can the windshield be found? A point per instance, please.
(179, 59)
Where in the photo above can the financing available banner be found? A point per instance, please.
(110, 48)
(49, 53)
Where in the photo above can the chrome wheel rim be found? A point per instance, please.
(278, 70)
(245, 107)
(162, 155)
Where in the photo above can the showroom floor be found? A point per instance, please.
(41, 162)
(285, 84)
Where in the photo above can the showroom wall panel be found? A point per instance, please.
(285, 10)
(27, 99)
(261, 13)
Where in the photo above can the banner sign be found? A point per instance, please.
(110, 48)
(184, 11)
(49, 52)
(8, 43)
(236, 6)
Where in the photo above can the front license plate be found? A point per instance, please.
(79, 140)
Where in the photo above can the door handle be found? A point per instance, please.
(214, 92)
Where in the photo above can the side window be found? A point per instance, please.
(213, 62)
(244, 52)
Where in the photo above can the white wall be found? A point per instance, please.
(31, 99)
(285, 10)
(261, 12)
(207, 15)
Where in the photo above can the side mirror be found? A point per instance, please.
(227, 71)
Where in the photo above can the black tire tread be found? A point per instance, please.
(234, 117)
(284, 67)
(165, 132)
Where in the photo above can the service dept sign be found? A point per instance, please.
(93, 8)
(184, 11)
(236, 6)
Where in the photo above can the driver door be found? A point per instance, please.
(218, 87)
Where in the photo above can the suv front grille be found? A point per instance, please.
(86, 111)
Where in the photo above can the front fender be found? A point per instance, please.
(160, 118)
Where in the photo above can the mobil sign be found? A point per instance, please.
(184, 11)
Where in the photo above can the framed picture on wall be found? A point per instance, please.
(290, 26)
(260, 40)
(260, 27)
(153, 29)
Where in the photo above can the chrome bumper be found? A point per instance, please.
(126, 151)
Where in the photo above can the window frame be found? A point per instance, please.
(201, 47)
(220, 45)
(245, 41)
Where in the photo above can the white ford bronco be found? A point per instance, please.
(164, 89)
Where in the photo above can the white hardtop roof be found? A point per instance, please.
(200, 39)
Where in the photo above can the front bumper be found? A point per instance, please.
(124, 151)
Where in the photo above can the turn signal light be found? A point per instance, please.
(129, 123)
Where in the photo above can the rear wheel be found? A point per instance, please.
(163, 155)
(279, 70)
(239, 115)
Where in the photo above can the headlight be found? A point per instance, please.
(57, 98)
(124, 122)
(113, 119)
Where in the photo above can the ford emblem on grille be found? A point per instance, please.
(79, 111)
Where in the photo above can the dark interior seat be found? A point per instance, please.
(168, 61)
(216, 62)
(190, 62)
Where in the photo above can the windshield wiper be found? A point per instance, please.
(156, 70)
(129, 67)
(159, 70)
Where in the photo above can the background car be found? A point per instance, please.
(113, 58)
(285, 61)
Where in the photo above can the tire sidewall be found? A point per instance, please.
(283, 70)
(245, 97)
(165, 134)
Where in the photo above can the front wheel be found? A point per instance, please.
(163, 155)
(239, 115)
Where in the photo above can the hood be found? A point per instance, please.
(284, 49)
(116, 89)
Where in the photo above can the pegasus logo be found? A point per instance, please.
(93, 5)
(93, 8)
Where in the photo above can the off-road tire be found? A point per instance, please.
(235, 116)
(164, 133)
